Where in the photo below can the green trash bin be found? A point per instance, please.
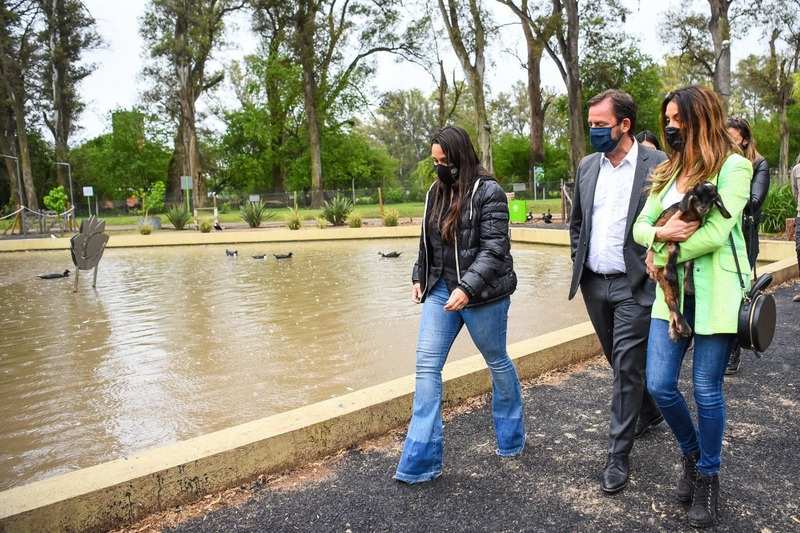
(517, 211)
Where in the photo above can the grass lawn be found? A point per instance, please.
(408, 209)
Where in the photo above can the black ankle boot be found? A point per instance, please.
(703, 512)
(687, 481)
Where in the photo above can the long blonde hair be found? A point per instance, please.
(706, 141)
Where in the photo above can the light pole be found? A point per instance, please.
(19, 189)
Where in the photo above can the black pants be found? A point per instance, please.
(797, 239)
(622, 326)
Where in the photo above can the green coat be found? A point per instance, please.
(718, 293)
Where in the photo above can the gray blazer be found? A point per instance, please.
(580, 227)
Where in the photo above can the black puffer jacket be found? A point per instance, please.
(751, 217)
(483, 248)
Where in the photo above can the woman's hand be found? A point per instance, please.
(458, 299)
(651, 268)
(676, 230)
(416, 293)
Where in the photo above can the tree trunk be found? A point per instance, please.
(306, 30)
(574, 88)
(58, 69)
(720, 29)
(535, 50)
(24, 155)
(482, 121)
(783, 160)
(175, 170)
(442, 96)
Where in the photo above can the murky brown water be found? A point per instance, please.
(180, 341)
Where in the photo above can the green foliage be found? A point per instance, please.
(205, 226)
(511, 154)
(391, 217)
(116, 163)
(152, 198)
(254, 213)
(348, 158)
(56, 200)
(145, 229)
(779, 205)
(321, 223)
(394, 195)
(337, 210)
(294, 221)
(354, 220)
(766, 132)
(179, 216)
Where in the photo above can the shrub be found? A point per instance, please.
(394, 196)
(779, 205)
(354, 220)
(337, 210)
(294, 221)
(56, 199)
(145, 229)
(152, 198)
(205, 226)
(361, 200)
(390, 217)
(254, 213)
(179, 216)
(322, 223)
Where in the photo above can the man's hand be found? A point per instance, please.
(458, 299)
(676, 230)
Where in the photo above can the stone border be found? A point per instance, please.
(124, 490)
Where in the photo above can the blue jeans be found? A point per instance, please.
(422, 451)
(664, 360)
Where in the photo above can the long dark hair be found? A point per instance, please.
(743, 127)
(460, 152)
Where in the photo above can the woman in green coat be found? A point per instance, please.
(700, 149)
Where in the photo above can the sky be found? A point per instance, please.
(117, 82)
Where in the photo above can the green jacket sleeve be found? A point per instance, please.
(644, 233)
(733, 185)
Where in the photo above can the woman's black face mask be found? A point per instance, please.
(674, 138)
(447, 175)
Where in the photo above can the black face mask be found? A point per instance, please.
(447, 175)
(674, 138)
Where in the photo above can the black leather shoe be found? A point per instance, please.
(615, 474)
(705, 503)
(643, 426)
(734, 362)
(686, 483)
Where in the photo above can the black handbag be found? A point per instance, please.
(757, 314)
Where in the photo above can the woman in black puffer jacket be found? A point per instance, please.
(464, 275)
(742, 135)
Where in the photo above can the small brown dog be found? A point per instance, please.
(696, 204)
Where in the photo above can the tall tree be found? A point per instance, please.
(468, 34)
(69, 31)
(181, 36)
(334, 40)
(19, 56)
(719, 25)
(537, 30)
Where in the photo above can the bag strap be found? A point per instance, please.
(736, 260)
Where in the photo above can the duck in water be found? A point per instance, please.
(231, 253)
(55, 275)
(390, 255)
(259, 256)
(283, 256)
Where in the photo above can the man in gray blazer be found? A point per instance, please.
(609, 268)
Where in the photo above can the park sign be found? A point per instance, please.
(186, 183)
(88, 191)
(519, 187)
(255, 198)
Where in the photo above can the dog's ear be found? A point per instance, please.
(718, 202)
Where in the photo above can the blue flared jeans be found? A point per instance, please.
(664, 360)
(422, 451)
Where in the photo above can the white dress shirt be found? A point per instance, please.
(612, 198)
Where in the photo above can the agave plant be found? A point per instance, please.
(179, 216)
(294, 221)
(391, 217)
(337, 210)
(254, 213)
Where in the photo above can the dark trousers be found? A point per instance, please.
(797, 239)
(622, 326)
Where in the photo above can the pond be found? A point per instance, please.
(180, 341)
